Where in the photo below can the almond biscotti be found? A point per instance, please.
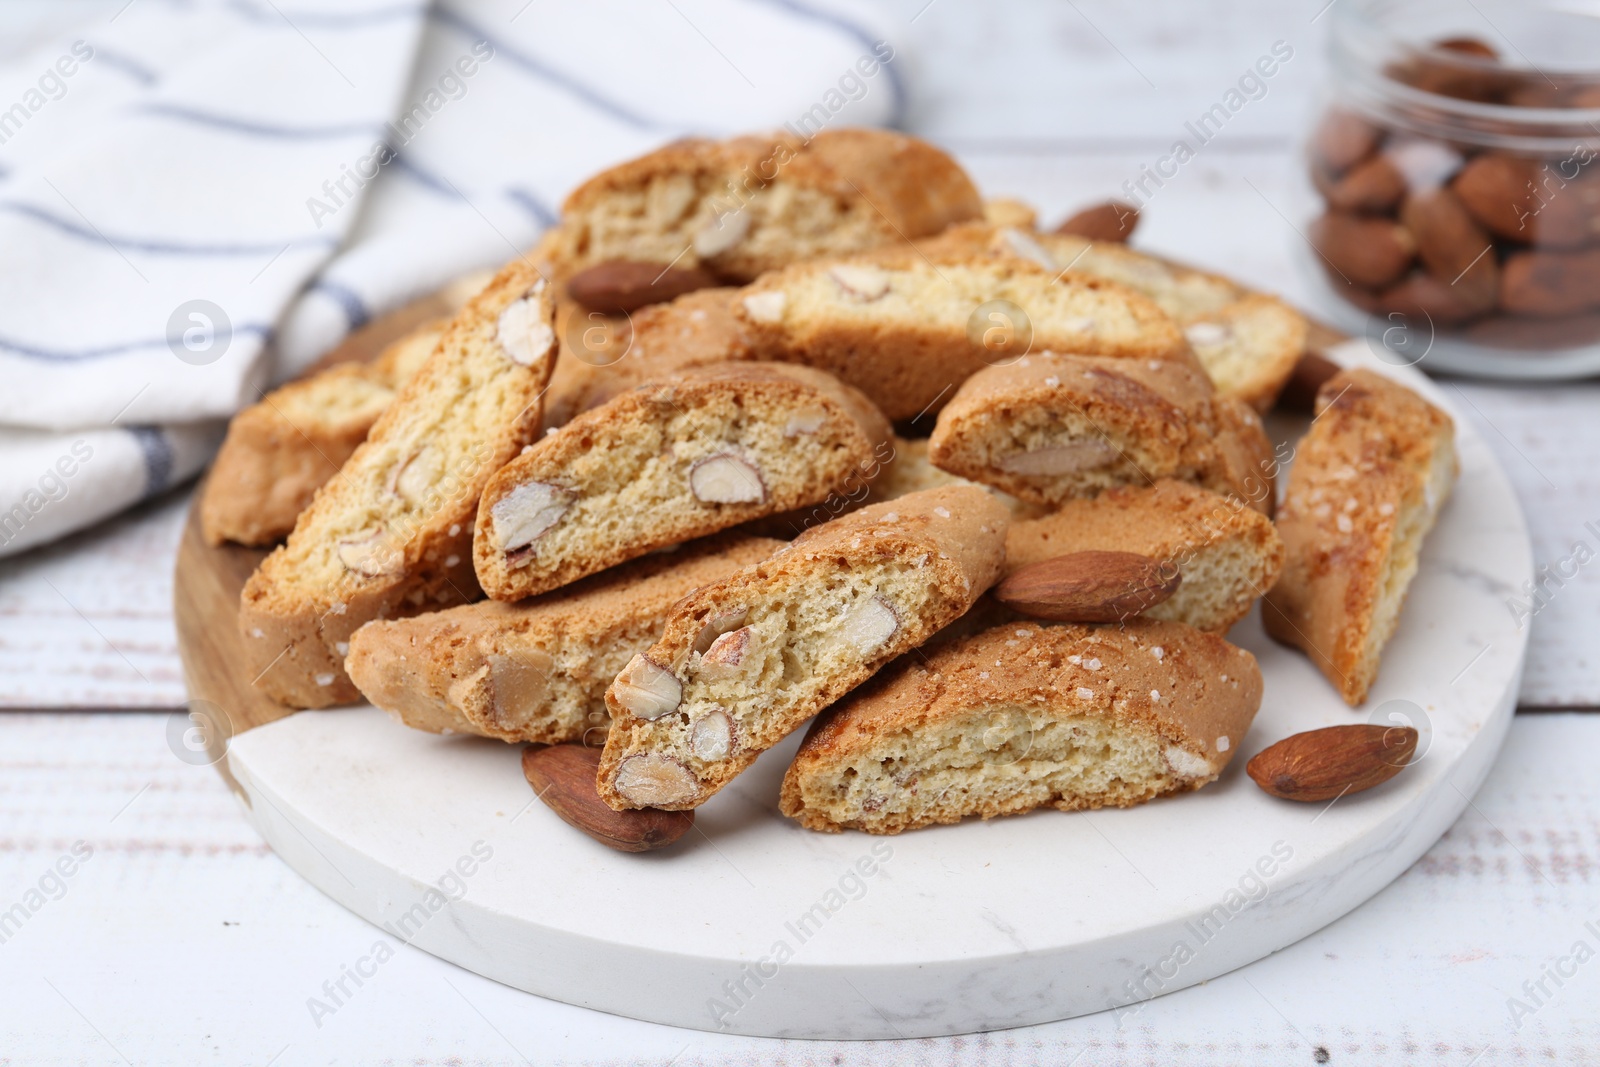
(280, 451)
(741, 207)
(391, 534)
(1368, 481)
(1227, 554)
(1026, 716)
(746, 660)
(907, 329)
(1248, 342)
(1049, 428)
(535, 671)
(603, 356)
(672, 460)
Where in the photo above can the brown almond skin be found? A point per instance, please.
(1093, 586)
(1342, 140)
(1421, 297)
(1300, 391)
(563, 776)
(1370, 252)
(624, 285)
(1454, 248)
(1322, 764)
(1551, 283)
(1110, 221)
(1373, 186)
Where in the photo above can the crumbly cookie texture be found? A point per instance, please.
(391, 535)
(603, 356)
(741, 207)
(746, 660)
(1050, 428)
(1368, 482)
(678, 458)
(535, 671)
(907, 328)
(279, 451)
(1247, 341)
(1227, 554)
(1025, 716)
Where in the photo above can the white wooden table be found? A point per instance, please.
(182, 939)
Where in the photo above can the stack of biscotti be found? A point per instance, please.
(1247, 341)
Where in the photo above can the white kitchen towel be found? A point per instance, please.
(198, 199)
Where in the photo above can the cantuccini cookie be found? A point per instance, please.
(1248, 342)
(603, 356)
(535, 671)
(671, 460)
(907, 328)
(1049, 428)
(1227, 554)
(1368, 481)
(746, 660)
(391, 534)
(741, 207)
(1025, 716)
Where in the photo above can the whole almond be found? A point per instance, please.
(1322, 764)
(1373, 185)
(1454, 248)
(1093, 586)
(1368, 252)
(563, 776)
(1342, 140)
(623, 285)
(1420, 296)
(1110, 221)
(1551, 283)
(1498, 190)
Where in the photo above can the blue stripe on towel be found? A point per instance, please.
(429, 181)
(252, 128)
(897, 89)
(355, 309)
(617, 110)
(160, 247)
(127, 65)
(525, 199)
(158, 459)
(61, 355)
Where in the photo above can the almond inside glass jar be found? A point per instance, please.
(1459, 182)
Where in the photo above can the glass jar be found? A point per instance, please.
(1455, 184)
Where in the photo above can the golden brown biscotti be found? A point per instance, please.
(603, 356)
(1248, 342)
(741, 207)
(907, 328)
(1025, 716)
(535, 671)
(1050, 428)
(746, 660)
(674, 459)
(1368, 481)
(280, 450)
(1227, 554)
(391, 535)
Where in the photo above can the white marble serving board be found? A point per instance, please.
(949, 930)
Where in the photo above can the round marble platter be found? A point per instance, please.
(755, 926)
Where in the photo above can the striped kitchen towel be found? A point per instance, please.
(199, 198)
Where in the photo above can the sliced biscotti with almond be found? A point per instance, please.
(675, 459)
(1050, 428)
(1026, 716)
(1226, 554)
(907, 328)
(745, 661)
(391, 534)
(1368, 481)
(280, 450)
(535, 671)
(1248, 342)
(744, 206)
(606, 355)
